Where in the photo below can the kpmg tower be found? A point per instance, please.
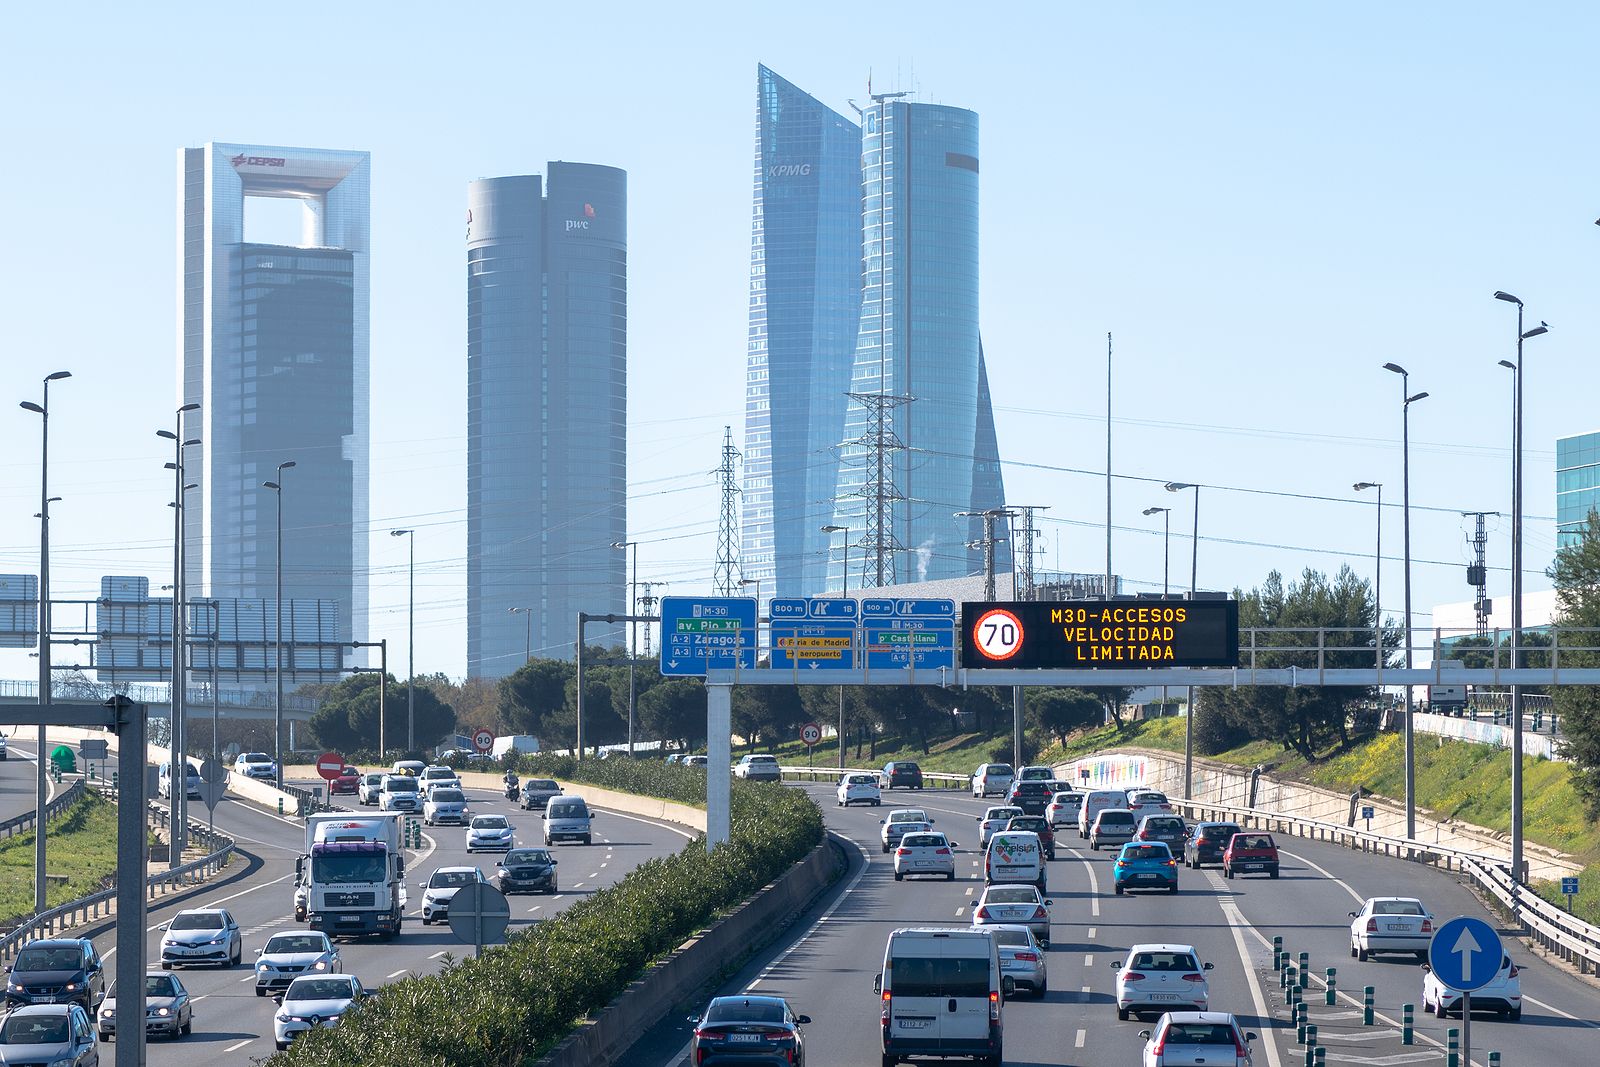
(273, 347)
(547, 347)
(805, 300)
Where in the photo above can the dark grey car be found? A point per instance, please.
(1170, 830)
(57, 970)
(48, 1034)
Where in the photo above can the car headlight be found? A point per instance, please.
(263, 968)
(218, 940)
(61, 1063)
(70, 986)
(321, 965)
(108, 1013)
(163, 1011)
(15, 987)
(330, 1020)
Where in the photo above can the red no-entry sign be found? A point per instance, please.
(330, 765)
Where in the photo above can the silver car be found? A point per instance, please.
(313, 1001)
(489, 833)
(992, 821)
(370, 788)
(286, 957)
(1182, 1038)
(56, 1034)
(167, 1008)
(1021, 957)
(1008, 903)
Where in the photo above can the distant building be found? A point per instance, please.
(1577, 484)
(547, 346)
(274, 347)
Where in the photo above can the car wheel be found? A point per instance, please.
(187, 1028)
(1274, 874)
(238, 954)
(1122, 1013)
(261, 990)
(1439, 1009)
(950, 877)
(282, 1045)
(885, 850)
(1044, 987)
(108, 1035)
(899, 877)
(1118, 890)
(166, 966)
(1352, 950)
(1227, 872)
(426, 921)
(588, 840)
(1361, 954)
(1422, 957)
(1173, 888)
(877, 803)
(1514, 1014)
(890, 1061)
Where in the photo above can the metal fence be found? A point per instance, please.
(25, 821)
(937, 779)
(85, 691)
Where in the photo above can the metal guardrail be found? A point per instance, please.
(26, 821)
(831, 774)
(1567, 936)
(311, 802)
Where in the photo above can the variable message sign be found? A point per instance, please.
(1115, 634)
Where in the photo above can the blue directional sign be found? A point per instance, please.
(1465, 954)
(909, 634)
(1569, 886)
(813, 633)
(707, 633)
(1368, 812)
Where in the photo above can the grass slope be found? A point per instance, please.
(81, 844)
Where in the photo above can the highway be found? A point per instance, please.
(17, 777)
(825, 969)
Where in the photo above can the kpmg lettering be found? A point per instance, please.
(242, 160)
(789, 170)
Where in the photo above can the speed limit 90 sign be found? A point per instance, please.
(997, 635)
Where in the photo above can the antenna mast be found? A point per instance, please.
(723, 581)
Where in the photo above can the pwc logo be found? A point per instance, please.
(583, 223)
(242, 160)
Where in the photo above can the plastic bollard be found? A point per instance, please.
(1299, 1024)
(1322, 1057)
(1369, 996)
(1311, 1046)
(1303, 969)
(1494, 1059)
(1452, 1047)
(1277, 953)
(1407, 1034)
(1283, 975)
(280, 805)
(1333, 985)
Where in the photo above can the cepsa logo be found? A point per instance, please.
(242, 160)
(789, 170)
(583, 223)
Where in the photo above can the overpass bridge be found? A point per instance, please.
(230, 703)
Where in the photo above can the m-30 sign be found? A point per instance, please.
(1115, 634)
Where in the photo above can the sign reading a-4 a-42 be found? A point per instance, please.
(707, 633)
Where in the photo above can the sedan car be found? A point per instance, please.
(1390, 924)
(858, 788)
(56, 1034)
(489, 833)
(900, 774)
(1503, 993)
(286, 957)
(1213, 1038)
(313, 1000)
(1160, 978)
(747, 1030)
(167, 1008)
(925, 853)
(1037, 824)
(1145, 865)
(201, 935)
(537, 792)
(369, 789)
(348, 782)
(1021, 956)
(444, 805)
(758, 768)
(1063, 808)
(526, 870)
(1170, 830)
(994, 820)
(902, 821)
(1207, 841)
(257, 765)
(1021, 904)
(441, 887)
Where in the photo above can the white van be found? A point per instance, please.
(940, 994)
(566, 819)
(1014, 856)
(1096, 802)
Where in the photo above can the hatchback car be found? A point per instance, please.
(445, 805)
(925, 853)
(747, 1030)
(1036, 824)
(992, 821)
(56, 1034)
(370, 788)
(401, 792)
(1144, 802)
(257, 765)
(286, 957)
(441, 887)
(313, 1000)
(902, 821)
(1145, 865)
(1036, 773)
(1170, 830)
(1022, 957)
(489, 833)
(55, 970)
(1213, 1038)
(1032, 797)
(991, 779)
(1063, 808)
(1250, 852)
(1114, 826)
(526, 870)
(1502, 994)
(199, 936)
(348, 782)
(1160, 978)
(900, 774)
(1207, 842)
(758, 768)
(168, 1009)
(858, 787)
(1024, 905)
(1390, 924)
(537, 792)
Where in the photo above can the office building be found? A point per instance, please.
(805, 298)
(1577, 484)
(547, 347)
(274, 348)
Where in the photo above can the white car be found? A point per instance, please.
(991, 779)
(1144, 802)
(1214, 1038)
(443, 805)
(489, 833)
(256, 765)
(1018, 905)
(758, 768)
(440, 889)
(925, 853)
(859, 788)
(439, 775)
(993, 820)
(1161, 978)
(201, 935)
(370, 789)
(902, 821)
(286, 957)
(1390, 924)
(1503, 994)
(1063, 808)
(313, 1000)
(401, 792)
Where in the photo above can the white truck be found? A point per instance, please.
(352, 874)
(526, 744)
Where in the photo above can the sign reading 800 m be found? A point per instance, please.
(1115, 634)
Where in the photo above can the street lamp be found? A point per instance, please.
(844, 592)
(527, 641)
(1407, 399)
(43, 411)
(1516, 581)
(633, 631)
(411, 644)
(1166, 568)
(179, 758)
(277, 634)
(1194, 571)
(757, 583)
(1377, 579)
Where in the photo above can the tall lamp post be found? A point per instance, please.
(633, 631)
(757, 583)
(43, 411)
(527, 640)
(1166, 566)
(1377, 579)
(1516, 583)
(411, 643)
(277, 635)
(179, 759)
(1407, 399)
(844, 569)
(1194, 571)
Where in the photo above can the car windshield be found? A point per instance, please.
(1164, 961)
(763, 759)
(1030, 822)
(861, 779)
(158, 985)
(48, 959)
(1146, 852)
(1062, 798)
(374, 779)
(1031, 789)
(349, 867)
(1109, 817)
(447, 796)
(34, 1030)
(572, 809)
(438, 772)
(908, 816)
(320, 989)
(906, 767)
(400, 784)
(296, 943)
(740, 1010)
(526, 855)
(1012, 894)
(446, 879)
(1260, 841)
(490, 822)
(541, 783)
(1164, 822)
(1037, 774)
(257, 757)
(961, 976)
(1219, 830)
(1396, 907)
(1013, 938)
(1001, 814)
(999, 769)
(198, 920)
(923, 841)
(1199, 1034)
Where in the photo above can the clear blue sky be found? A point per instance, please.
(1264, 203)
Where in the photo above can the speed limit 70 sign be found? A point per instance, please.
(997, 635)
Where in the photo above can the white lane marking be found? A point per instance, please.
(242, 981)
(1094, 883)
(1558, 1011)
(196, 1000)
(237, 1045)
(604, 865)
(959, 912)
(1088, 959)
(970, 889)
(687, 835)
(1236, 921)
(535, 908)
(1357, 897)
(1092, 931)
(397, 974)
(1077, 1042)
(580, 885)
(592, 874)
(558, 896)
(441, 952)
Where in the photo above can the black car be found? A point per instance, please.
(1207, 842)
(1032, 797)
(526, 870)
(900, 774)
(58, 970)
(1037, 824)
(747, 1030)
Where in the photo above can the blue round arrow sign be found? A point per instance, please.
(1465, 954)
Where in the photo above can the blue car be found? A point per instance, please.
(1145, 865)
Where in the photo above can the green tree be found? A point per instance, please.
(348, 717)
(674, 709)
(1059, 712)
(1576, 573)
(533, 693)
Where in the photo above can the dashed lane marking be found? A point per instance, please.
(1077, 1041)
(397, 974)
(436, 955)
(237, 1045)
(1091, 932)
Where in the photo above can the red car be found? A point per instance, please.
(349, 781)
(1250, 851)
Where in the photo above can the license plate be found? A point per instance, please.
(349, 918)
(1164, 996)
(912, 1024)
(744, 1038)
(1396, 926)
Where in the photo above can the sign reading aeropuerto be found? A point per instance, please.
(1119, 634)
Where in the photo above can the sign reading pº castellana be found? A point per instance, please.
(1115, 634)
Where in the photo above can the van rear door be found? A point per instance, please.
(938, 993)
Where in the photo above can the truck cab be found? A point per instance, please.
(353, 874)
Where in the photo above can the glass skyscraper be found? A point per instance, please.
(805, 297)
(547, 351)
(1577, 484)
(273, 346)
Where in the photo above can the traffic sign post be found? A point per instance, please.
(479, 915)
(1569, 889)
(707, 633)
(810, 734)
(329, 766)
(1368, 812)
(812, 632)
(909, 635)
(1465, 955)
(483, 740)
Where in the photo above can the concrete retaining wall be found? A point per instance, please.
(601, 1041)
